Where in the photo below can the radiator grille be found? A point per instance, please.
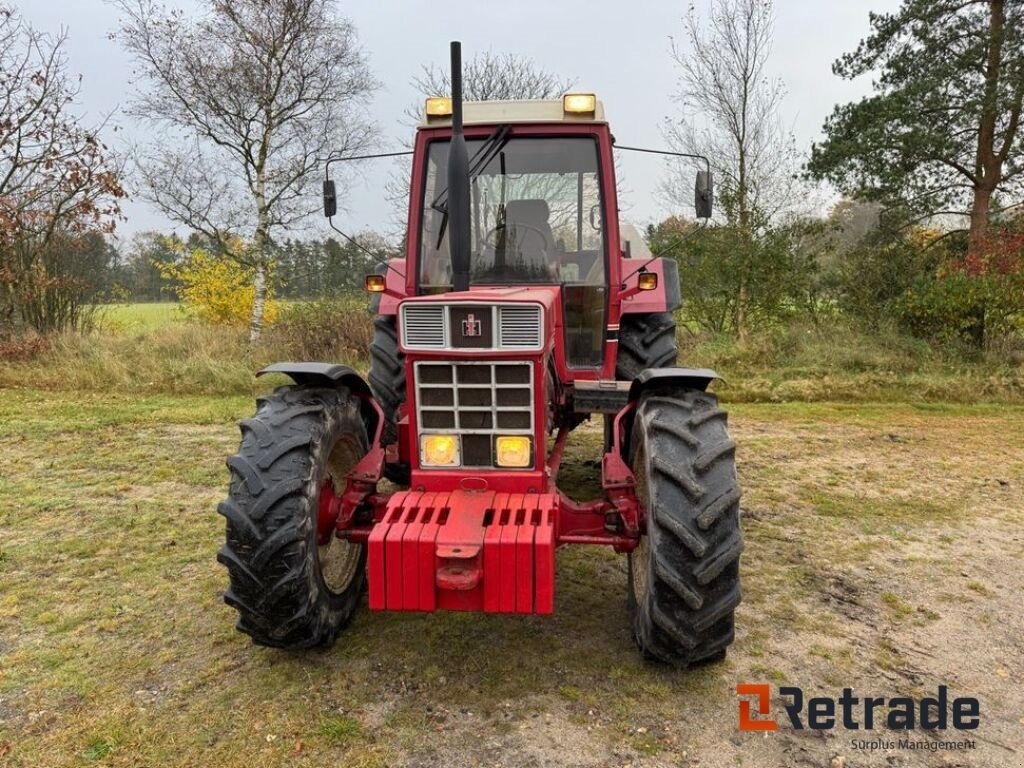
(433, 326)
(476, 401)
(519, 327)
(423, 326)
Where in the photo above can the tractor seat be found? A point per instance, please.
(528, 235)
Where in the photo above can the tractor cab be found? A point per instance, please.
(541, 194)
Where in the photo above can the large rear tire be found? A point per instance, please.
(684, 580)
(290, 591)
(387, 380)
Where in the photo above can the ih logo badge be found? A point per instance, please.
(471, 327)
(763, 694)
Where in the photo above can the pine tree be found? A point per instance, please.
(941, 134)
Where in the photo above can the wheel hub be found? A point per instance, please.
(640, 558)
(338, 559)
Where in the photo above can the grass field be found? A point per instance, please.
(136, 319)
(156, 349)
(885, 546)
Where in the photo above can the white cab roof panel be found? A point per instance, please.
(497, 112)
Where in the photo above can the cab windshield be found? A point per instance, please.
(536, 219)
(536, 214)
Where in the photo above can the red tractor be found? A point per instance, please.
(515, 316)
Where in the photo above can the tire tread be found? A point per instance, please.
(387, 381)
(270, 513)
(686, 615)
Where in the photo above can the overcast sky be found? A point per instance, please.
(611, 48)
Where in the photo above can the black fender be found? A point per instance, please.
(321, 375)
(331, 375)
(691, 378)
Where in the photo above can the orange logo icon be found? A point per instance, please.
(763, 694)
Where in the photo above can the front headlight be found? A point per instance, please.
(513, 451)
(439, 451)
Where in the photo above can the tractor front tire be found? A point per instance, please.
(684, 581)
(290, 591)
(387, 380)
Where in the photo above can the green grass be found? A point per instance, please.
(835, 362)
(151, 348)
(897, 605)
(340, 730)
(140, 318)
(179, 355)
(118, 650)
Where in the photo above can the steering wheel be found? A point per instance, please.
(491, 242)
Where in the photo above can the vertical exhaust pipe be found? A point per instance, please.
(458, 183)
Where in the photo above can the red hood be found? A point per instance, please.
(545, 295)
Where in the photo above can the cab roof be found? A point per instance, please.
(525, 111)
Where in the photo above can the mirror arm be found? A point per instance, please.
(704, 197)
(327, 161)
(364, 249)
(330, 219)
(670, 153)
(628, 293)
(661, 253)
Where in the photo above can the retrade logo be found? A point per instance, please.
(763, 694)
(852, 713)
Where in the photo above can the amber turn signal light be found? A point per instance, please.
(375, 283)
(438, 106)
(579, 103)
(647, 281)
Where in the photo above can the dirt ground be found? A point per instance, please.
(885, 546)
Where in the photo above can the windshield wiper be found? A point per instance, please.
(480, 160)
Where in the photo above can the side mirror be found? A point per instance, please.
(704, 194)
(595, 218)
(330, 198)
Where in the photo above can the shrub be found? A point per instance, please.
(217, 289)
(977, 298)
(871, 278)
(20, 348)
(337, 329)
(53, 285)
(733, 283)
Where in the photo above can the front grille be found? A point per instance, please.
(423, 326)
(520, 327)
(472, 326)
(476, 401)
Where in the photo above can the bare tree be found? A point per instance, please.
(250, 97)
(731, 113)
(57, 180)
(490, 76)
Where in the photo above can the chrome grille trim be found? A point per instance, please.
(424, 326)
(519, 326)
